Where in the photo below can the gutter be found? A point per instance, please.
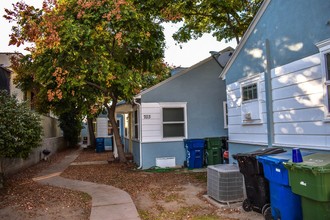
(140, 131)
(269, 97)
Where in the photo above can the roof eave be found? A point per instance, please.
(180, 73)
(173, 77)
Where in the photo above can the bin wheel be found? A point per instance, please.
(268, 213)
(247, 205)
(264, 208)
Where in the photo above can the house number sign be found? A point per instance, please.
(146, 116)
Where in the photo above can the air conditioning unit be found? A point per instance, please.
(225, 183)
(248, 116)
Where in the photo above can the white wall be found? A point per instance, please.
(240, 132)
(298, 105)
(102, 127)
(151, 122)
(298, 108)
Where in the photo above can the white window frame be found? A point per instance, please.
(174, 105)
(252, 98)
(251, 118)
(324, 48)
(225, 114)
(136, 125)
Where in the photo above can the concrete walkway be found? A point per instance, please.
(108, 202)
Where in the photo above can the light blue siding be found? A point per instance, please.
(204, 94)
(235, 148)
(292, 28)
(151, 151)
(136, 152)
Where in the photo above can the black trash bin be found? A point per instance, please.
(256, 185)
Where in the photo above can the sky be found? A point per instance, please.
(189, 54)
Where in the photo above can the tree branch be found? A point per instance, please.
(104, 90)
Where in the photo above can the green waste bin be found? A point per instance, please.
(213, 151)
(311, 180)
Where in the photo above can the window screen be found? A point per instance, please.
(250, 92)
(173, 122)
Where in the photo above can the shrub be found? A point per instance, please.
(20, 129)
(70, 123)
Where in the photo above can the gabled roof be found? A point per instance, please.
(182, 72)
(246, 35)
(5, 68)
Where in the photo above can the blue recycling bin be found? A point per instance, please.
(284, 203)
(99, 145)
(194, 152)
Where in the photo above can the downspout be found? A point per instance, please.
(140, 132)
(269, 97)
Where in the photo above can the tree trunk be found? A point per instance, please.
(92, 140)
(113, 121)
(2, 176)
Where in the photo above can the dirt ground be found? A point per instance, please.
(22, 198)
(175, 194)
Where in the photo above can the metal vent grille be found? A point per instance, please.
(225, 183)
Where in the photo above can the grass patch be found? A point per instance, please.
(156, 194)
(206, 217)
(194, 212)
(202, 177)
(156, 169)
(145, 214)
(173, 197)
(85, 197)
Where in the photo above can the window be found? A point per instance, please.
(225, 114)
(324, 48)
(251, 99)
(136, 125)
(173, 122)
(327, 80)
(128, 127)
(250, 92)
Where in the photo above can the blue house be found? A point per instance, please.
(103, 129)
(278, 79)
(188, 105)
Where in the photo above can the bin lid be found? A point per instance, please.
(280, 158)
(212, 138)
(317, 163)
(194, 143)
(193, 140)
(264, 151)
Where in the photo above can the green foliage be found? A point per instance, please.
(87, 53)
(88, 50)
(225, 19)
(20, 129)
(70, 123)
